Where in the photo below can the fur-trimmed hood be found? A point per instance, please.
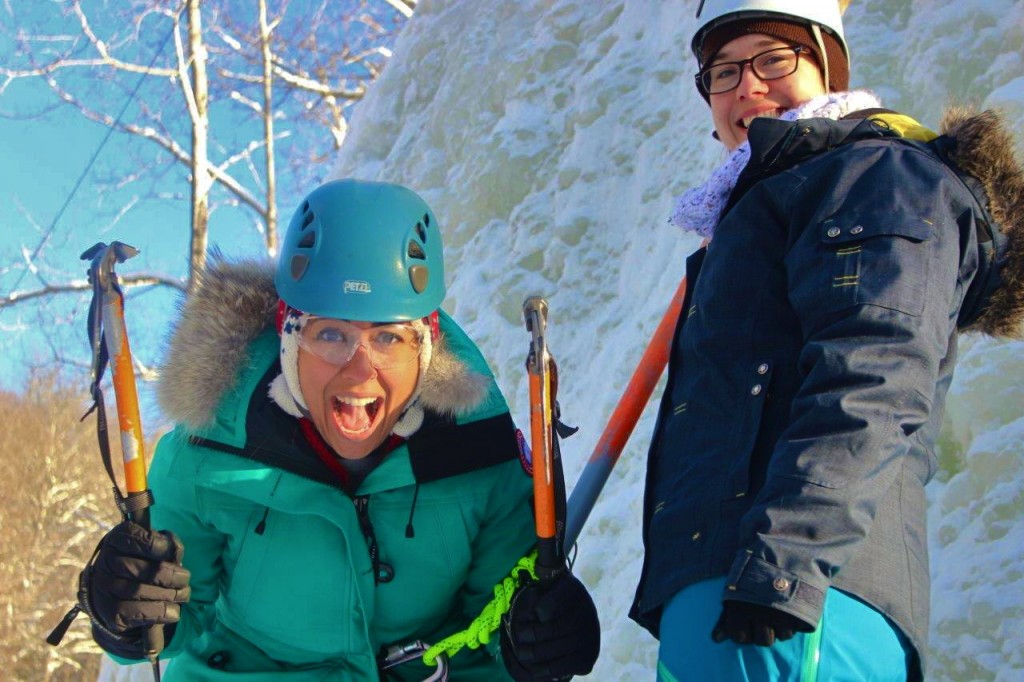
(984, 149)
(236, 302)
(976, 145)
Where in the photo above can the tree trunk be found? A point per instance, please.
(201, 178)
(268, 130)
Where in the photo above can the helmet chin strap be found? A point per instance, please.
(816, 32)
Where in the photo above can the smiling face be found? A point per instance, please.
(355, 406)
(732, 111)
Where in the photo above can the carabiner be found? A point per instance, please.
(398, 654)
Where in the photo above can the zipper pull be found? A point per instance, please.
(62, 627)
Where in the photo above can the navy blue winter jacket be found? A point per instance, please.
(812, 359)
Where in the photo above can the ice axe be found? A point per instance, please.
(620, 425)
(545, 427)
(108, 338)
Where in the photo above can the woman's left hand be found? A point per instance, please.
(551, 631)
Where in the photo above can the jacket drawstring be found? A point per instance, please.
(409, 531)
(382, 572)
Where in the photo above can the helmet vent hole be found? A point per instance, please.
(419, 275)
(416, 251)
(421, 231)
(307, 218)
(299, 264)
(308, 240)
(426, 219)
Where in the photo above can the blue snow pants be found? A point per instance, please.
(857, 644)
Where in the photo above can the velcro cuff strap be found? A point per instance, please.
(134, 502)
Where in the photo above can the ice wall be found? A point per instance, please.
(550, 137)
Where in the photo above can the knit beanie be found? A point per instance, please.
(786, 31)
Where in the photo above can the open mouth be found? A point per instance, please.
(356, 417)
(747, 120)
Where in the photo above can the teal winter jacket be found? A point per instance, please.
(294, 578)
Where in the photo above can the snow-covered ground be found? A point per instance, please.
(550, 136)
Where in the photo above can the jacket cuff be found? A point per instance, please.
(126, 649)
(122, 648)
(754, 580)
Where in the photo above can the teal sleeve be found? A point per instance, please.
(177, 508)
(507, 535)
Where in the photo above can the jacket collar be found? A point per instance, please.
(979, 149)
(776, 145)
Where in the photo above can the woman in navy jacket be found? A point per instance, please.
(784, 515)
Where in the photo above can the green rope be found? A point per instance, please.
(479, 631)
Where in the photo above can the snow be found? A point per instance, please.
(550, 137)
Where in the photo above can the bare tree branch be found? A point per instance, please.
(247, 153)
(126, 281)
(406, 7)
(63, 61)
(144, 372)
(166, 142)
(309, 84)
(245, 101)
(301, 81)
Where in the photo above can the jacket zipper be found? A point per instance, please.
(382, 572)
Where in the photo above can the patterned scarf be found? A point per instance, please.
(699, 209)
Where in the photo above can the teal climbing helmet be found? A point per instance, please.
(365, 251)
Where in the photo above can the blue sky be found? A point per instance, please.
(43, 159)
(46, 147)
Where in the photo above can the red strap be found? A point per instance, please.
(282, 311)
(435, 326)
(327, 455)
(323, 450)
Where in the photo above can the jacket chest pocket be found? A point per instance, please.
(243, 555)
(293, 579)
(430, 564)
(880, 261)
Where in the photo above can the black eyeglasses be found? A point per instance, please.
(769, 65)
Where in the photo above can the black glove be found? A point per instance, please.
(551, 631)
(134, 580)
(747, 623)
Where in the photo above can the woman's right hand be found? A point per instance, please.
(135, 580)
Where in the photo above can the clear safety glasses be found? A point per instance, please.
(768, 66)
(336, 341)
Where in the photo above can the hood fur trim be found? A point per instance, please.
(231, 306)
(985, 149)
(450, 388)
(234, 303)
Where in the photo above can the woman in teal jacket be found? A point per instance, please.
(344, 476)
